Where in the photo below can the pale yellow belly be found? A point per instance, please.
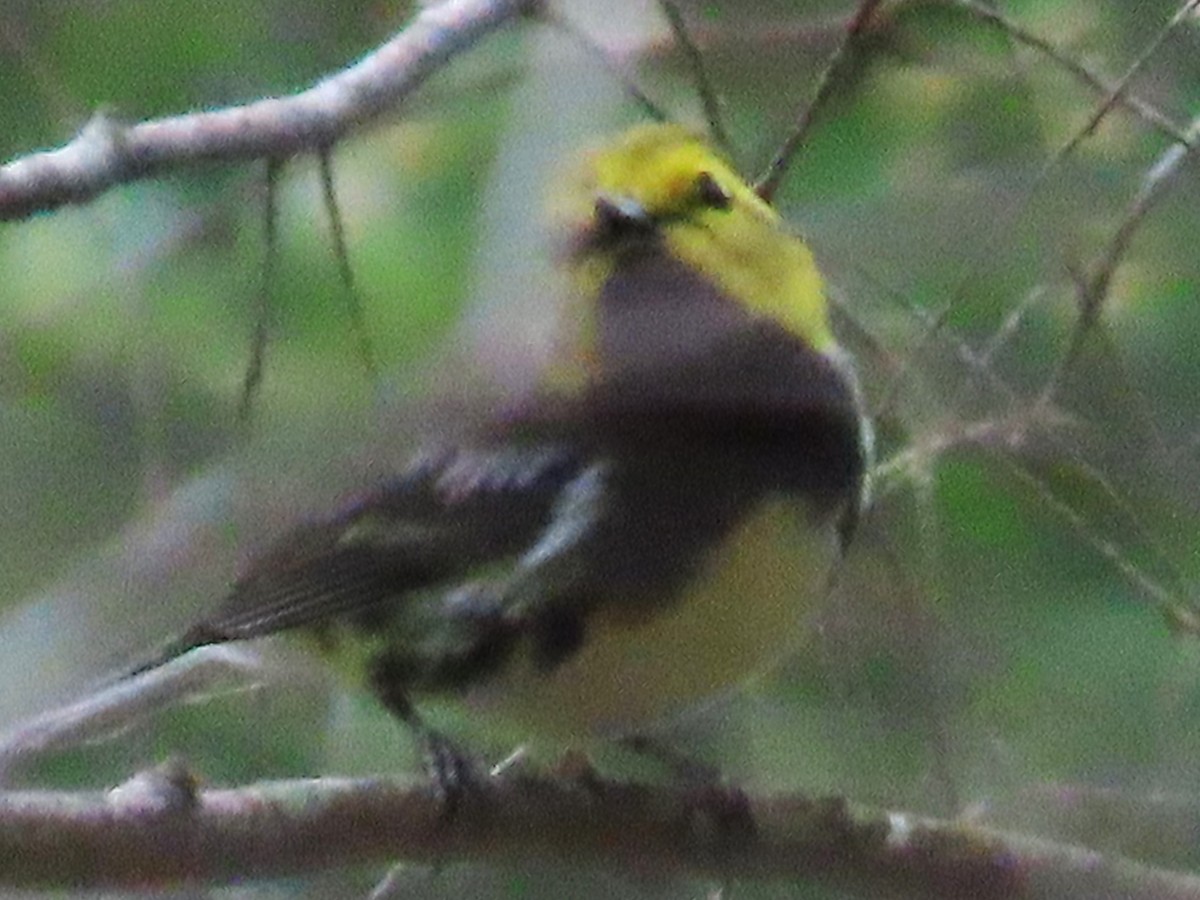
(742, 612)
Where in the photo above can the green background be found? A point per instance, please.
(1001, 644)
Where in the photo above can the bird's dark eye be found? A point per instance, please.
(710, 193)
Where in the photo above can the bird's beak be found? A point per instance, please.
(618, 216)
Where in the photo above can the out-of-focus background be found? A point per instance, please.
(1012, 638)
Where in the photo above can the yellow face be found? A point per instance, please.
(659, 188)
(672, 175)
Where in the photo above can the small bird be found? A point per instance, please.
(642, 529)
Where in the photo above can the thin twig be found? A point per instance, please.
(704, 86)
(1119, 94)
(1158, 595)
(1114, 94)
(605, 59)
(341, 252)
(768, 184)
(1004, 436)
(1121, 88)
(1093, 291)
(262, 314)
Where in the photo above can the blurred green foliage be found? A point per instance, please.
(995, 635)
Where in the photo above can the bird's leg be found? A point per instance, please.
(454, 773)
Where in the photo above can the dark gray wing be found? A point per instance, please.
(444, 517)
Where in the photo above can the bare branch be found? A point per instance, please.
(1121, 88)
(1114, 94)
(341, 252)
(125, 702)
(107, 153)
(704, 86)
(768, 184)
(262, 318)
(1093, 290)
(158, 830)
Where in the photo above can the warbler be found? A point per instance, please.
(645, 527)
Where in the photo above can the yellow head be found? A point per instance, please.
(660, 189)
